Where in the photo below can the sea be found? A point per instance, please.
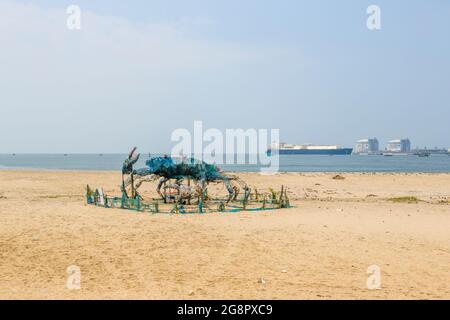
(287, 163)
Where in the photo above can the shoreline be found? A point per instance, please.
(25, 169)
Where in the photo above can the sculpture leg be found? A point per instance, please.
(124, 190)
(158, 189)
(139, 180)
(133, 192)
(189, 186)
(178, 183)
(240, 184)
(201, 198)
(231, 190)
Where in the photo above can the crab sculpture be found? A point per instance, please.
(171, 173)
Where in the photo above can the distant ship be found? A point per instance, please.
(310, 149)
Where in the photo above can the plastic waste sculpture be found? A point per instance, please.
(167, 168)
(177, 196)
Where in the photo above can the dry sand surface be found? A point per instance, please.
(320, 249)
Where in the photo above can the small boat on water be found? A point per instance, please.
(423, 154)
(396, 154)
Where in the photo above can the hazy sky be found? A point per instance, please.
(137, 70)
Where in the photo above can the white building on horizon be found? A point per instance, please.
(366, 146)
(399, 145)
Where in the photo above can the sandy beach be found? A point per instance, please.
(320, 249)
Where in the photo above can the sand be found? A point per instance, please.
(321, 249)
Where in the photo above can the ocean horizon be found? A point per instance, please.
(288, 163)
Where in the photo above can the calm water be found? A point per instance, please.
(292, 163)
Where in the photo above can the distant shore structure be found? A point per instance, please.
(309, 149)
(436, 151)
(399, 145)
(367, 146)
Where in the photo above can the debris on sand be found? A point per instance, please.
(406, 199)
(338, 177)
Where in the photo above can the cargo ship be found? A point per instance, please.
(309, 149)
